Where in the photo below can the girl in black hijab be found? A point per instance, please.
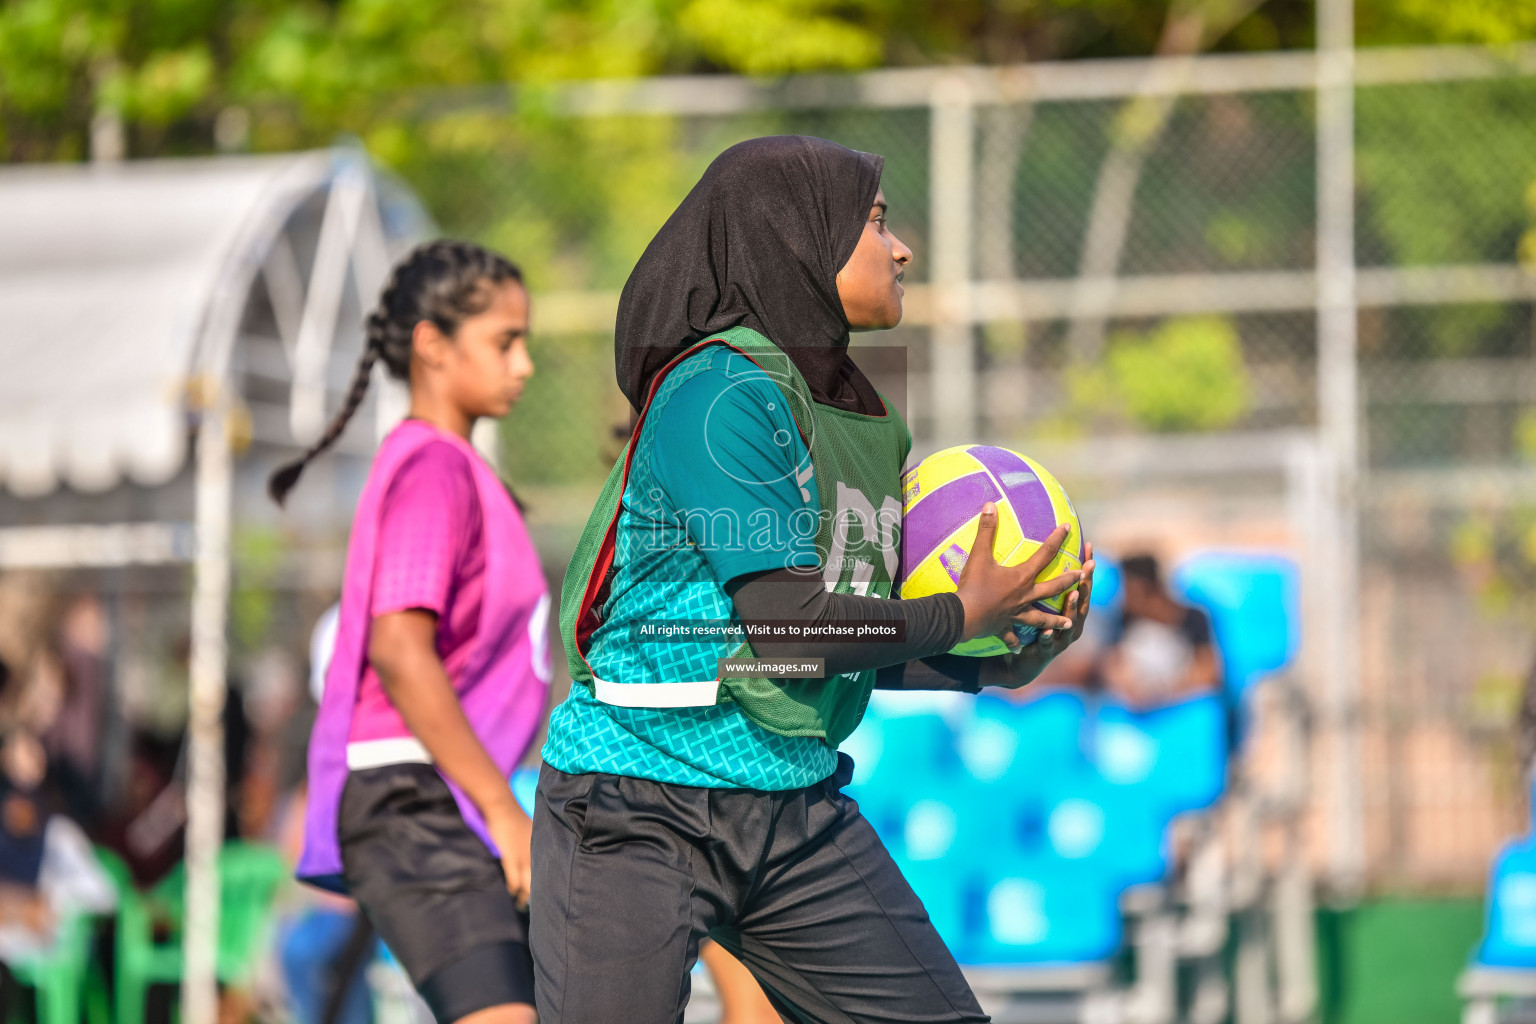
(761, 483)
(758, 243)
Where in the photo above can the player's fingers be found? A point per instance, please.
(1041, 557)
(1058, 640)
(1084, 594)
(1010, 640)
(1073, 610)
(1056, 585)
(986, 531)
(1042, 620)
(517, 877)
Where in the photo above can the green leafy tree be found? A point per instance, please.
(423, 85)
(258, 555)
(1186, 374)
(767, 37)
(1409, 22)
(167, 68)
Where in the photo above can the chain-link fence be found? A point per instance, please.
(1116, 269)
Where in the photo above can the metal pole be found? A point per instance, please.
(350, 191)
(1339, 424)
(205, 782)
(952, 361)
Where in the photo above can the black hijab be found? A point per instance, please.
(757, 243)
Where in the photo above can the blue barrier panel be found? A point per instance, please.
(1510, 940)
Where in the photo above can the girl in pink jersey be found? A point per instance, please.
(440, 670)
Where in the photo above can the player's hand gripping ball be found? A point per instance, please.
(941, 507)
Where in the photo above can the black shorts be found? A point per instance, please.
(433, 891)
(629, 875)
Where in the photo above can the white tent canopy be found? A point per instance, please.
(122, 285)
(138, 303)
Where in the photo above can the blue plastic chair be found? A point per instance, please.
(952, 852)
(1023, 839)
(899, 759)
(1255, 607)
(1045, 910)
(1013, 826)
(1111, 829)
(1106, 581)
(1046, 731)
(1176, 756)
(920, 744)
(948, 887)
(1510, 938)
(525, 783)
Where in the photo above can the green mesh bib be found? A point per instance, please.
(856, 463)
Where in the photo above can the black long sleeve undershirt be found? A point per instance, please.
(938, 672)
(919, 662)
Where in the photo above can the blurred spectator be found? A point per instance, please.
(48, 870)
(1161, 652)
(148, 829)
(73, 737)
(1077, 666)
(47, 866)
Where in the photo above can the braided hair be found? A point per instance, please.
(444, 282)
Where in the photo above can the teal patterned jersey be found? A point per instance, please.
(717, 460)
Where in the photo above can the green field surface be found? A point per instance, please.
(1395, 961)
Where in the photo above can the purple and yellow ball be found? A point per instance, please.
(941, 509)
